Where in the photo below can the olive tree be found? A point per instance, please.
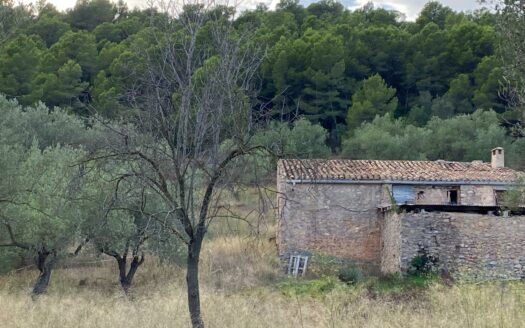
(38, 196)
(124, 215)
(50, 127)
(43, 192)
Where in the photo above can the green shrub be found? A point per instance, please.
(350, 275)
(423, 263)
(397, 283)
(322, 265)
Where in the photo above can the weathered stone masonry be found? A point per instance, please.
(339, 220)
(391, 242)
(344, 221)
(343, 208)
(472, 246)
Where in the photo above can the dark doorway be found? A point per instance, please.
(453, 197)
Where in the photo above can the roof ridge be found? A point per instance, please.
(401, 170)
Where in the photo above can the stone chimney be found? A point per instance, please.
(498, 157)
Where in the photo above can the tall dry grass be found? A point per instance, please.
(240, 282)
(472, 306)
(239, 290)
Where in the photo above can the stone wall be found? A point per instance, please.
(340, 220)
(343, 220)
(471, 195)
(391, 243)
(471, 246)
(477, 195)
(431, 195)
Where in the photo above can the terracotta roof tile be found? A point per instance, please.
(295, 169)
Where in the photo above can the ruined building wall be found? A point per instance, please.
(470, 195)
(431, 195)
(477, 195)
(341, 220)
(472, 246)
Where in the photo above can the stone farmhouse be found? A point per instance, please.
(379, 215)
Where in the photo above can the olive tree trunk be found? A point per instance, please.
(126, 276)
(45, 265)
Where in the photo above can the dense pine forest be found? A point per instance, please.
(434, 84)
(138, 152)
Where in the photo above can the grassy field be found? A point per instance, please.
(242, 287)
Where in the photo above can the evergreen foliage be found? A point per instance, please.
(323, 61)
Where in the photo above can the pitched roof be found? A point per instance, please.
(381, 170)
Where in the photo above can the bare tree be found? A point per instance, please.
(511, 27)
(12, 17)
(192, 97)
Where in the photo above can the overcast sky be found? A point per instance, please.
(410, 7)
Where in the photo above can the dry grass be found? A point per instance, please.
(239, 290)
(242, 287)
(165, 307)
(232, 263)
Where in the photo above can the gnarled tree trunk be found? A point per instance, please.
(45, 266)
(126, 278)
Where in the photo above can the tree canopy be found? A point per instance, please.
(321, 59)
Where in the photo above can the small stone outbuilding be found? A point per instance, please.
(379, 214)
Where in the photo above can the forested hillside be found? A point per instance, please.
(334, 67)
(138, 154)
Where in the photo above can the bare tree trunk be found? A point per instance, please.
(192, 280)
(45, 266)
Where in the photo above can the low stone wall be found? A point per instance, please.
(469, 246)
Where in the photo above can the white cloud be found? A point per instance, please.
(66, 4)
(60, 4)
(410, 7)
